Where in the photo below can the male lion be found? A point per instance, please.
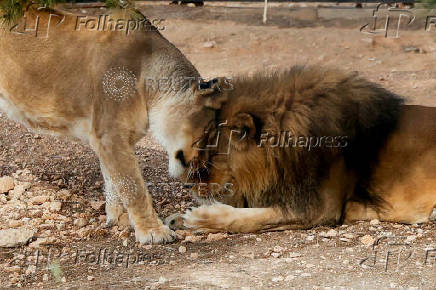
(87, 77)
(310, 146)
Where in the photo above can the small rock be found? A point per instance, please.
(349, 236)
(289, 278)
(192, 239)
(80, 222)
(39, 199)
(162, 280)
(182, 249)
(209, 44)
(42, 242)
(6, 184)
(90, 278)
(45, 277)
(64, 194)
(277, 279)
(216, 237)
(98, 204)
(17, 192)
(194, 256)
(84, 232)
(310, 238)
(367, 240)
(15, 237)
(181, 234)
(278, 249)
(53, 206)
(294, 255)
(64, 280)
(12, 269)
(306, 275)
(275, 254)
(331, 233)
(411, 49)
(30, 270)
(374, 222)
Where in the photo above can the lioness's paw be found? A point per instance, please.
(175, 222)
(160, 235)
(113, 213)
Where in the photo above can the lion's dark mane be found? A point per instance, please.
(313, 101)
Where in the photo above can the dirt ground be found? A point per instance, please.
(59, 186)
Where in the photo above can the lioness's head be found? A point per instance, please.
(179, 124)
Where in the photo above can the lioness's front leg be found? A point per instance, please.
(114, 206)
(124, 183)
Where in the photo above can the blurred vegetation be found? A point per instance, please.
(429, 3)
(12, 10)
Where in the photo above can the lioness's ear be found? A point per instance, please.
(214, 93)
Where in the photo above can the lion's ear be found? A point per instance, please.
(244, 123)
(244, 128)
(214, 93)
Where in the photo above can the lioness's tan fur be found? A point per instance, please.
(385, 171)
(56, 84)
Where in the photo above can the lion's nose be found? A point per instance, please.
(203, 173)
(181, 157)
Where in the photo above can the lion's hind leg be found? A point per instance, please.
(359, 211)
(220, 217)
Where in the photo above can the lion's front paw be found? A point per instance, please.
(208, 219)
(160, 235)
(175, 222)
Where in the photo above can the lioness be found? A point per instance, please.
(87, 77)
(310, 146)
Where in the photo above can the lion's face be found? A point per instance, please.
(228, 159)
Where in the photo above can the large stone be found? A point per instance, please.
(6, 184)
(15, 237)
